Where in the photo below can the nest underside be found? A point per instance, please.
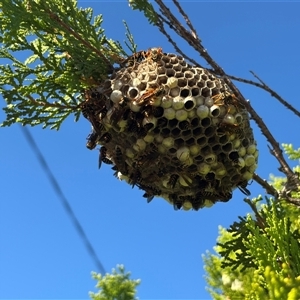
(174, 130)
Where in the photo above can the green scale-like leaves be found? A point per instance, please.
(115, 286)
(66, 51)
(258, 256)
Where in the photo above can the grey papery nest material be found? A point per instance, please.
(174, 130)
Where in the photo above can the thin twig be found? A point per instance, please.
(187, 20)
(260, 220)
(296, 202)
(269, 189)
(274, 94)
(187, 36)
(171, 41)
(268, 89)
(48, 104)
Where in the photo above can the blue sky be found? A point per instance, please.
(41, 254)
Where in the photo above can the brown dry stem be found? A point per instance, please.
(259, 219)
(265, 87)
(193, 40)
(269, 188)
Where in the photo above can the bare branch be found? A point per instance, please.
(260, 220)
(187, 20)
(274, 94)
(177, 49)
(296, 202)
(189, 38)
(268, 89)
(269, 189)
(217, 70)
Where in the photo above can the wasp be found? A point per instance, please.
(142, 132)
(154, 54)
(120, 161)
(92, 140)
(233, 100)
(162, 122)
(227, 98)
(230, 129)
(94, 103)
(224, 196)
(202, 184)
(106, 137)
(124, 101)
(177, 203)
(210, 177)
(149, 197)
(206, 194)
(242, 187)
(219, 98)
(103, 158)
(133, 127)
(160, 172)
(91, 109)
(197, 201)
(150, 93)
(130, 61)
(234, 157)
(119, 155)
(147, 157)
(209, 195)
(115, 116)
(156, 111)
(173, 180)
(135, 178)
(121, 111)
(102, 113)
(150, 191)
(184, 125)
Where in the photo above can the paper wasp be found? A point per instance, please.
(153, 54)
(224, 196)
(149, 197)
(242, 187)
(197, 201)
(177, 203)
(106, 137)
(103, 158)
(92, 140)
(135, 177)
(234, 157)
(135, 58)
(150, 93)
(227, 98)
(230, 129)
(173, 180)
(91, 108)
(119, 161)
(151, 192)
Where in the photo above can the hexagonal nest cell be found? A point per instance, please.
(173, 130)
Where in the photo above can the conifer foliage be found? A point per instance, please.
(68, 52)
(258, 256)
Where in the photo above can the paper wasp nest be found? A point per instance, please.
(173, 130)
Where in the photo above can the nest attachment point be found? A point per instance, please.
(173, 130)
